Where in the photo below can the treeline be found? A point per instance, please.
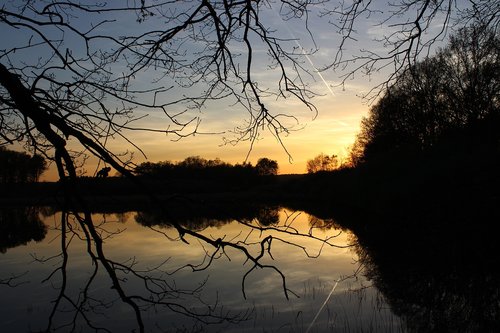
(19, 167)
(431, 143)
(446, 103)
(198, 167)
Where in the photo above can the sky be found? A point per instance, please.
(331, 130)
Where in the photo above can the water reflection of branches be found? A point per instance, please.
(13, 280)
(269, 230)
(287, 228)
(157, 291)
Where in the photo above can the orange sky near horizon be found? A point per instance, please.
(331, 132)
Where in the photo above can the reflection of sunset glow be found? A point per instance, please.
(125, 241)
(158, 245)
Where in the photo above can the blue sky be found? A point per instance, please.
(331, 130)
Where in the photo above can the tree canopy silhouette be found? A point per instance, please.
(322, 162)
(452, 96)
(197, 167)
(266, 167)
(19, 167)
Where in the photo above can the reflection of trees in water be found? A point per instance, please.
(437, 269)
(123, 217)
(200, 218)
(20, 225)
(267, 216)
(442, 281)
(83, 303)
(141, 289)
(195, 223)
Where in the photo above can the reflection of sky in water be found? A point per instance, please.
(351, 307)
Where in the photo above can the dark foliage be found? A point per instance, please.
(322, 162)
(427, 243)
(18, 226)
(19, 167)
(451, 100)
(199, 215)
(266, 167)
(434, 273)
(195, 167)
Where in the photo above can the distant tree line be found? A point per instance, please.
(198, 167)
(448, 99)
(19, 167)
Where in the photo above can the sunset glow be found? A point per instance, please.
(332, 132)
(328, 125)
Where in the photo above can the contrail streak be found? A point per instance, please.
(322, 306)
(303, 51)
(310, 62)
(287, 27)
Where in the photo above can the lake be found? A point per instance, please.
(308, 278)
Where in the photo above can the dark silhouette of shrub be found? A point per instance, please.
(266, 167)
(19, 167)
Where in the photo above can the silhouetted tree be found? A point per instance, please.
(19, 167)
(20, 225)
(154, 169)
(471, 65)
(455, 93)
(193, 162)
(86, 81)
(197, 167)
(266, 167)
(406, 32)
(322, 162)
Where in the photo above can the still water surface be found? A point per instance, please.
(188, 285)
